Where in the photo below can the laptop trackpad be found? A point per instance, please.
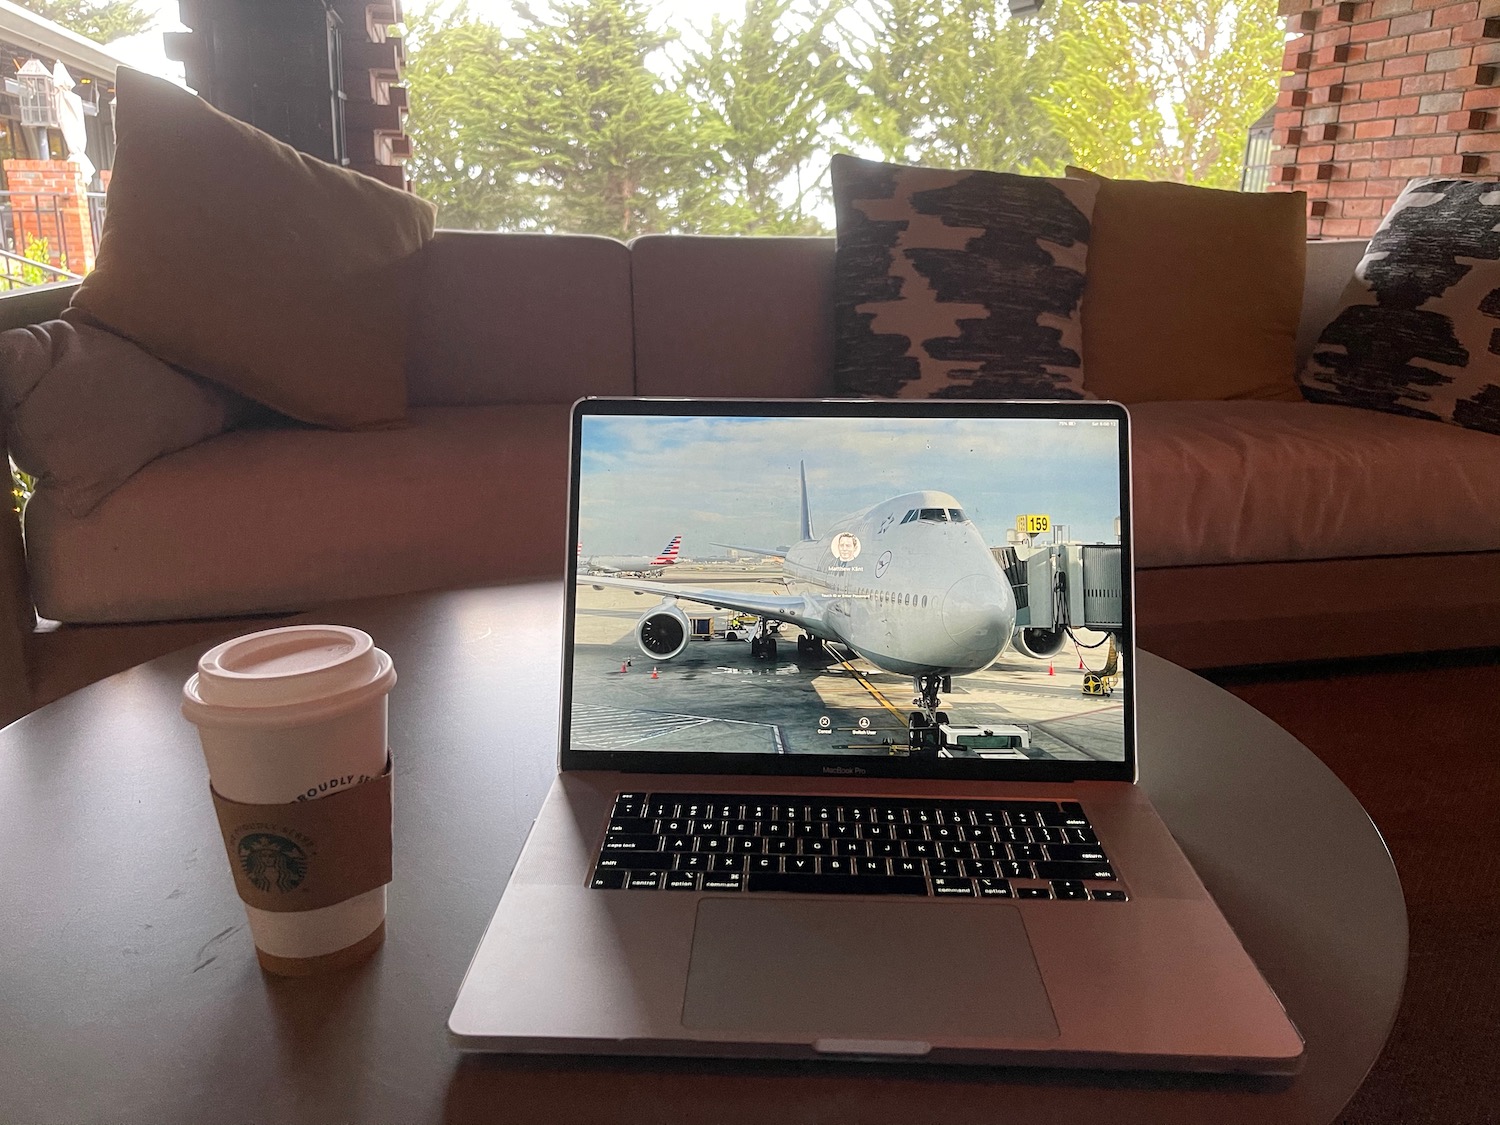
(861, 969)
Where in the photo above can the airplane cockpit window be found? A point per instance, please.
(957, 515)
(911, 515)
(937, 515)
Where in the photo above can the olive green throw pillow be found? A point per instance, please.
(236, 257)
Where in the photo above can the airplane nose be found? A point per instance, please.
(978, 614)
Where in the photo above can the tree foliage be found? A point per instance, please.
(590, 115)
(1164, 90)
(101, 20)
(767, 90)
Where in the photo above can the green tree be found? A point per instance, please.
(955, 83)
(460, 74)
(101, 20)
(766, 89)
(1164, 90)
(607, 143)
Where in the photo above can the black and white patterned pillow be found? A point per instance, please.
(958, 284)
(1419, 330)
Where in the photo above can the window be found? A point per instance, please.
(935, 515)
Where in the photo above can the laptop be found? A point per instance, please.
(847, 768)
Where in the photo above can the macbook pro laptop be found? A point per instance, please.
(847, 762)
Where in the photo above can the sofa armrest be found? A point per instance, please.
(17, 617)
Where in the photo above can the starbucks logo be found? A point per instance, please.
(272, 863)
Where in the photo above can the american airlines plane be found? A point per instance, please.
(909, 584)
(634, 564)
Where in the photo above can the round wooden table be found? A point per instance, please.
(129, 990)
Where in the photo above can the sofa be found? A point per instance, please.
(1266, 531)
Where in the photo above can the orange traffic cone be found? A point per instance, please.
(1080, 664)
(654, 676)
(1050, 672)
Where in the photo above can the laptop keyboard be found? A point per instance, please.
(857, 846)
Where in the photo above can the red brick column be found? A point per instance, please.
(48, 199)
(1379, 91)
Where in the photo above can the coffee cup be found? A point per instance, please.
(293, 727)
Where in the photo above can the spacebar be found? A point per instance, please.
(837, 884)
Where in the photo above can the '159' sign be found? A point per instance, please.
(1034, 525)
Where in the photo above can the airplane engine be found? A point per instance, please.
(1039, 643)
(663, 632)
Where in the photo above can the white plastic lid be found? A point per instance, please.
(295, 664)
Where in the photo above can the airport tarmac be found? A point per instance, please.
(714, 697)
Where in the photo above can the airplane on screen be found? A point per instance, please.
(908, 584)
(633, 564)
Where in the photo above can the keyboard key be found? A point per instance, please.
(723, 881)
(956, 851)
(850, 847)
(870, 867)
(994, 888)
(1074, 871)
(835, 865)
(748, 845)
(636, 861)
(713, 844)
(1073, 815)
(608, 879)
(727, 862)
(681, 881)
(678, 844)
(629, 804)
(765, 863)
(1033, 892)
(1076, 853)
(691, 861)
(945, 868)
(800, 865)
(643, 880)
(838, 884)
(977, 868)
(1027, 851)
(953, 888)
(808, 828)
(1012, 869)
(1108, 896)
(817, 847)
(907, 867)
(632, 826)
(632, 843)
(1068, 889)
(1082, 836)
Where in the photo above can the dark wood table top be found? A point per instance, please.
(129, 990)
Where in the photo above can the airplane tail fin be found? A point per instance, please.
(668, 554)
(807, 532)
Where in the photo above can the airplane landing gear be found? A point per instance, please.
(763, 640)
(924, 735)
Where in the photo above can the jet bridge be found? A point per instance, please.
(1062, 586)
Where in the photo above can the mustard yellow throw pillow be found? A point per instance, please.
(242, 260)
(1192, 293)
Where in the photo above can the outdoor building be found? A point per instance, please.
(57, 144)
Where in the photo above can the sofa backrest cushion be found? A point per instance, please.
(733, 317)
(507, 318)
(745, 317)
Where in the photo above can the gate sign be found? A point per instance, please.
(1034, 525)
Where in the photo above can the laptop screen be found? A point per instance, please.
(862, 588)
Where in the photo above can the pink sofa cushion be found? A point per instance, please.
(259, 521)
(1232, 482)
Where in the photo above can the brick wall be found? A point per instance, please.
(1379, 91)
(48, 200)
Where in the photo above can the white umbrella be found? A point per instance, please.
(70, 121)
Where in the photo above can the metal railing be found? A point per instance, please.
(36, 244)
